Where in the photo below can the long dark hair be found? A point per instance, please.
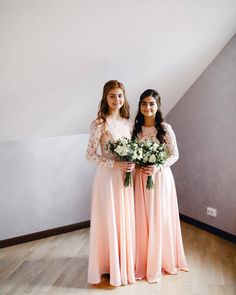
(103, 105)
(139, 119)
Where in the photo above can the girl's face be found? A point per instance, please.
(115, 99)
(148, 107)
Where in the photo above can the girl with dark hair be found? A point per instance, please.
(159, 246)
(112, 234)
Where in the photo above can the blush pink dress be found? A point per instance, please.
(159, 246)
(112, 229)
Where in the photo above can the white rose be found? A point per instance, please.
(118, 149)
(155, 146)
(134, 156)
(148, 143)
(140, 154)
(124, 151)
(152, 159)
(123, 140)
(145, 158)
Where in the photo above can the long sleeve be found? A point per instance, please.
(96, 131)
(172, 147)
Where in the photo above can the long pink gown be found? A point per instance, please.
(159, 246)
(112, 229)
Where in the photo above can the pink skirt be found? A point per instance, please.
(159, 246)
(112, 230)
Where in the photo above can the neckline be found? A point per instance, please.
(146, 127)
(115, 120)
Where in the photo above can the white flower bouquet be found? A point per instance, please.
(151, 153)
(125, 150)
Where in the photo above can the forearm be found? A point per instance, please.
(99, 160)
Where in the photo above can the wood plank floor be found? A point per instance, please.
(58, 265)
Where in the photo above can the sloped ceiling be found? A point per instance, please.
(56, 55)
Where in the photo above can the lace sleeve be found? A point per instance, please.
(171, 143)
(94, 141)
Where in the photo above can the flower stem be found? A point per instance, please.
(150, 183)
(128, 179)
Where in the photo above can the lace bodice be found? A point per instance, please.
(170, 140)
(101, 134)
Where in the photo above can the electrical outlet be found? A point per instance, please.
(211, 211)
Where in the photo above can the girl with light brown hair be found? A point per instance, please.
(112, 236)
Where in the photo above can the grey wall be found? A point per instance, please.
(204, 121)
(45, 183)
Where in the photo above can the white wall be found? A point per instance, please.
(45, 183)
(55, 56)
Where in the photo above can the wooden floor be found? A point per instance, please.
(58, 265)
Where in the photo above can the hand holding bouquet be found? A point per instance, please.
(125, 150)
(151, 153)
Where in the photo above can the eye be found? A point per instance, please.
(120, 95)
